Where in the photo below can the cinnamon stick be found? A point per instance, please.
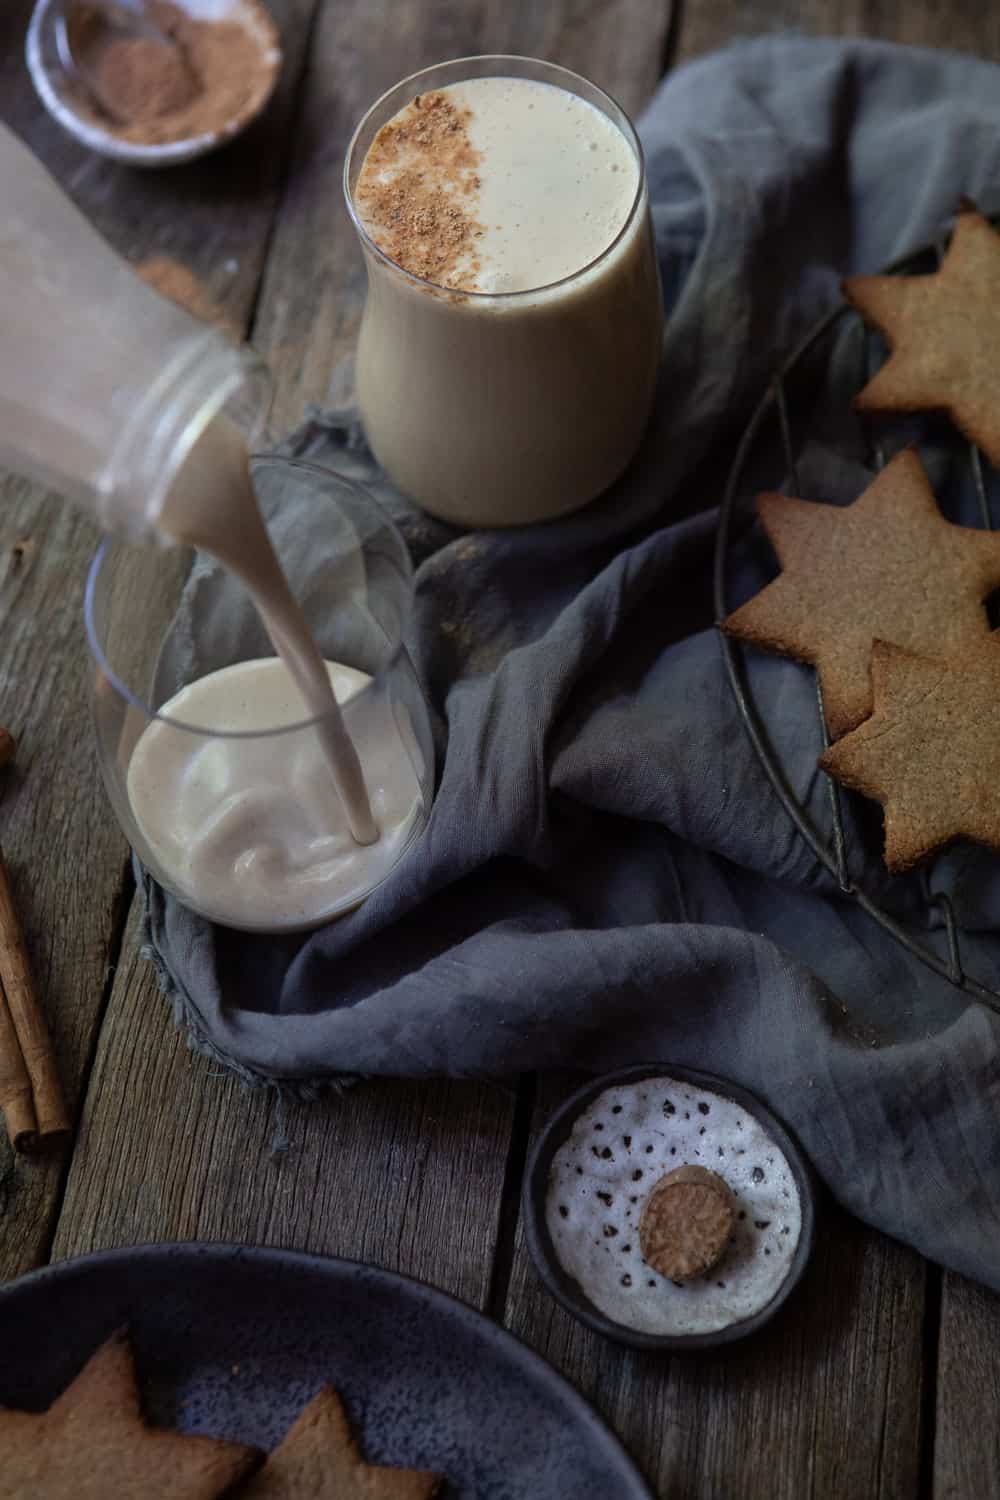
(16, 1103)
(28, 1022)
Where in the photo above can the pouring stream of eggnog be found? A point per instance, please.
(214, 508)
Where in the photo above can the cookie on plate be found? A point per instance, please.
(317, 1459)
(93, 1443)
(888, 566)
(930, 753)
(943, 331)
(687, 1221)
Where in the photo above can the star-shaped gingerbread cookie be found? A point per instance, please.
(317, 1459)
(888, 566)
(930, 753)
(944, 332)
(92, 1444)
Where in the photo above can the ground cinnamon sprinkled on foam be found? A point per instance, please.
(417, 192)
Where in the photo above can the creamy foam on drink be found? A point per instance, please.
(245, 825)
(505, 185)
(276, 831)
(495, 409)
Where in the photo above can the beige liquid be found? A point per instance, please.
(501, 410)
(214, 508)
(244, 826)
(270, 832)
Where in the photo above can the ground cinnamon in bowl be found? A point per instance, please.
(211, 83)
(142, 79)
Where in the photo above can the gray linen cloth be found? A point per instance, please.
(608, 876)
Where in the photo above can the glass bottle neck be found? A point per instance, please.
(206, 378)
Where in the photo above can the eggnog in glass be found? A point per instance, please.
(223, 757)
(508, 352)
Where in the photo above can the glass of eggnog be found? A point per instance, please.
(511, 336)
(217, 770)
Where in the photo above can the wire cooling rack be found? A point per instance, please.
(832, 852)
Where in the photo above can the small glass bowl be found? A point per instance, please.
(67, 103)
(160, 618)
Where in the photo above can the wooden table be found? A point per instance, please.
(880, 1378)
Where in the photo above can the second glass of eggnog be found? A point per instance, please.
(217, 764)
(509, 347)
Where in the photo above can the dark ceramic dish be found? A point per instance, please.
(568, 1291)
(233, 1342)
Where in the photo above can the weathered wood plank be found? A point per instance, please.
(962, 25)
(967, 1435)
(824, 1402)
(387, 1173)
(67, 856)
(54, 820)
(452, 1137)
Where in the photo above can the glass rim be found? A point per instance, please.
(630, 133)
(99, 655)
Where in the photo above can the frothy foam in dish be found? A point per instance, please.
(248, 828)
(497, 185)
(619, 1147)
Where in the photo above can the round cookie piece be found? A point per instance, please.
(687, 1222)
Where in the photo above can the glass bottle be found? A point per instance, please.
(105, 386)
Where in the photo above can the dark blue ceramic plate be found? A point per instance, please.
(233, 1342)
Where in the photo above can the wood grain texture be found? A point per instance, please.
(398, 1175)
(961, 25)
(967, 1433)
(55, 822)
(67, 857)
(825, 1402)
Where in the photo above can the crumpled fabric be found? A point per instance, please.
(608, 875)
